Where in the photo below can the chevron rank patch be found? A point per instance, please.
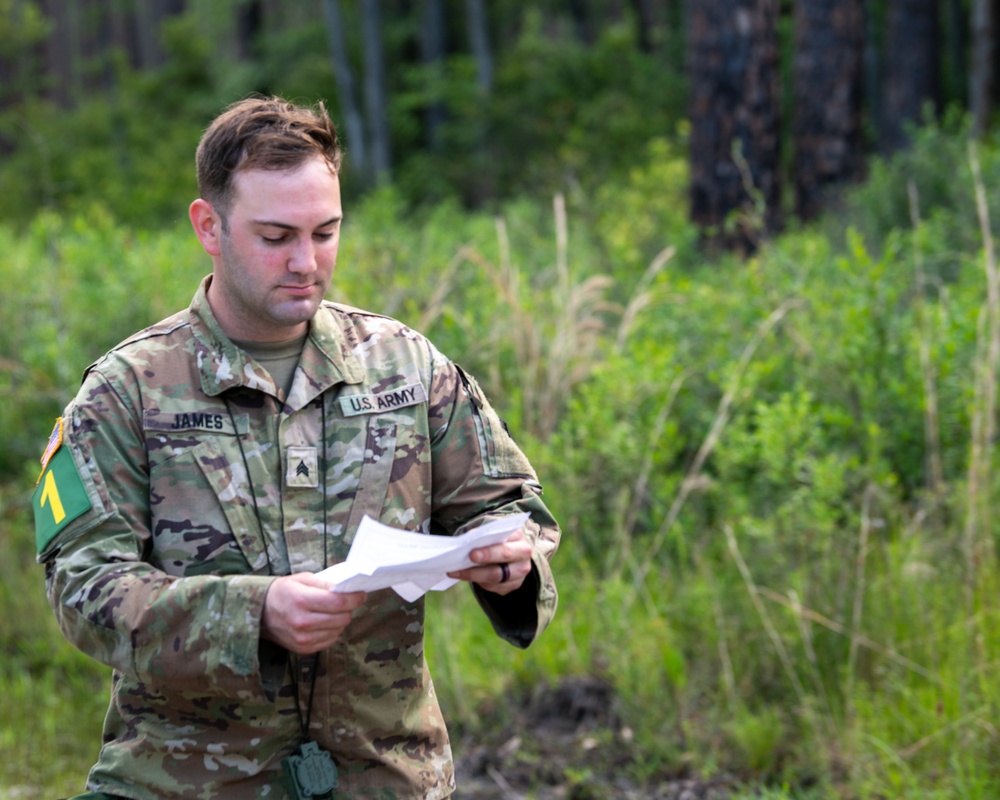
(303, 468)
(60, 496)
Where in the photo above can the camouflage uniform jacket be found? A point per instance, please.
(199, 484)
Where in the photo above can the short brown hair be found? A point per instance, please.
(261, 133)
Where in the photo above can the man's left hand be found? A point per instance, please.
(501, 568)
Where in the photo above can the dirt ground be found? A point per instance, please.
(566, 743)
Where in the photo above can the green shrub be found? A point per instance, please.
(762, 468)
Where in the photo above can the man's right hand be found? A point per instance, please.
(303, 615)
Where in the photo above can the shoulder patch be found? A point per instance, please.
(60, 496)
(55, 440)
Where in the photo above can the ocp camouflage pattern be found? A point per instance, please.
(205, 482)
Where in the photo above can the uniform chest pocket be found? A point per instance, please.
(376, 462)
(202, 513)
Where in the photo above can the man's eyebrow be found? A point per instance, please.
(269, 223)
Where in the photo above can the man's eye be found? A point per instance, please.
(274, 239)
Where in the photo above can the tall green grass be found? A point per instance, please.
(775, 477)
(53, 699)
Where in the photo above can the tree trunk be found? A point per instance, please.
(123, 33)
(62, 51)
(147, 27)
(828, 74)
(982, 75)
(643, 13)
(432, 53)
(149, 16)
(375, 95)
(912, 66)
(479, 177)
(957, 38)
(249, 21)
(479, 43)
(674, 34)
(580, 13)
(873, 68)
(349, 108)
(734, 117)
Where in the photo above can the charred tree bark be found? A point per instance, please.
(912, 67)
(734, 118)
(828, 75)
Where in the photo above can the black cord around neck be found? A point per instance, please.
(314, 659)
(253, 492)
(322, 472)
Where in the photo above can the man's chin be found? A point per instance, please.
(296, 312)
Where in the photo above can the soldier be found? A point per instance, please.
(211, 464)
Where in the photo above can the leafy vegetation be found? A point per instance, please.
(560, 111)
(774, 476)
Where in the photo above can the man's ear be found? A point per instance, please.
(207, 226)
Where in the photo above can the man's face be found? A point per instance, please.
(276, 255)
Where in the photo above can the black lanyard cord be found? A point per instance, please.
(315, 658)
(309, 663)
(253, 492)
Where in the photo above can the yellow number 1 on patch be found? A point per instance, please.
(50, 494)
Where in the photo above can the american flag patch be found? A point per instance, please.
(55, 440)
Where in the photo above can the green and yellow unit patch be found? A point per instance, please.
(60, 496)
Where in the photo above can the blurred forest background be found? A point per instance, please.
(727, 267)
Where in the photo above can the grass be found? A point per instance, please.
(54, 698)
(775, 480)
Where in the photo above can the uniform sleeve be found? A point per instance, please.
(480, 474)
(110, 602)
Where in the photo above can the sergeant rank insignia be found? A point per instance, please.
(302, 472)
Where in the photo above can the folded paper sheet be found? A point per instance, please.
(411, 563)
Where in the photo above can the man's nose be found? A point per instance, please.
(303, 259)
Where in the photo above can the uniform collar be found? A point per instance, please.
(325, 361)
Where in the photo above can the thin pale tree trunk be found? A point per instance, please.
(375, 95)
(479, 43)
(982, 77)
(432, 52)
(347, 94)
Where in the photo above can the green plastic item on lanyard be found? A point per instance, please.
(311, 772)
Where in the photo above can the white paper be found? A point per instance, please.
(411, 563)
